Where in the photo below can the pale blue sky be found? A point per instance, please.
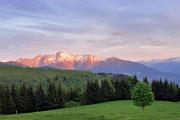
(128, 29)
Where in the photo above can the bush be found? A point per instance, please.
(72, 104)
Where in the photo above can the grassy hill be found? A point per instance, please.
(118, 110)
(14, 75)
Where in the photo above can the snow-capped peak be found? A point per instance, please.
(61, 58)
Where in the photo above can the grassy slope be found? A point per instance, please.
(118, 110)
(15, 75)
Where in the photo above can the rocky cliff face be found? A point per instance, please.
(62, 60)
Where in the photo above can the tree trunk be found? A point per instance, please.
(142, 108)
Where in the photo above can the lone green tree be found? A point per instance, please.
(142, 95)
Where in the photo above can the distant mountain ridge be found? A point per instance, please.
(93, 63)
(62, 60)
(166, 65)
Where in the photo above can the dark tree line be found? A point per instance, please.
(120, 89)
(117, 88)
(166, 91)
(25, 98)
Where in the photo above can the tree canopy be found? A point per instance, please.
(142, 95)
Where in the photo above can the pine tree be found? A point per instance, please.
(126, 90)
(134, 81)
(165, 89)
(56, 79)
(178, 94)
(40, 97)
(173, 91)
(60, 96)
(24, 103)
(51, 91)
(118, 90)
(97, 87)
(1, 97)
(160, 89)
(74, 94)
(107, 90)
(145, 80)
(8, 106)
(23, 90)
(157, 88)
(14, 93)
(93, 92)
(122, 89)
(31, 98)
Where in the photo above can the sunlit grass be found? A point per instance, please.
(118, 110)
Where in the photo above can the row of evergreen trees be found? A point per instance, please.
(106, 90)
(166, 91)
(24, 98)
(120, 89)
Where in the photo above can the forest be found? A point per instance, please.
(23, 98)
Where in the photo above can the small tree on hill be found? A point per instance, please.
(142, 95)
(145, 80)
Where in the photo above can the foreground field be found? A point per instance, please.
(118, 110)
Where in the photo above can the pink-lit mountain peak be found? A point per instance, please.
(63, 60)
(67, 61)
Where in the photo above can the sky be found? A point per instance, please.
(128, 29)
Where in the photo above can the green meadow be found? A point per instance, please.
(16, 75)
(117, 110)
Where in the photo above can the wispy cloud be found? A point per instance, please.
(127, 29)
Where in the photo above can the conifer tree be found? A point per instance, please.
(31, 98)
(165, 90)
(14, 93)
(24, 104)
(173, 91)
(145, 80)
(1, 97)
(60, 96)
(122, 88)
(8, 105)
(107, 90)
(157, 88)
(40, 97)
(118, 89)
(51, 91)
(178, 94)
(93, 91)
(134, 81)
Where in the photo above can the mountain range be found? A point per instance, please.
(98, 64)
(166, 65)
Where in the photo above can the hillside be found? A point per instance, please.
(167, 65)
(118, 110)
(15, 75)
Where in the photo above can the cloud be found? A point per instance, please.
(128, 29)
(54, 28)
(152, 42)
(28, 6)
